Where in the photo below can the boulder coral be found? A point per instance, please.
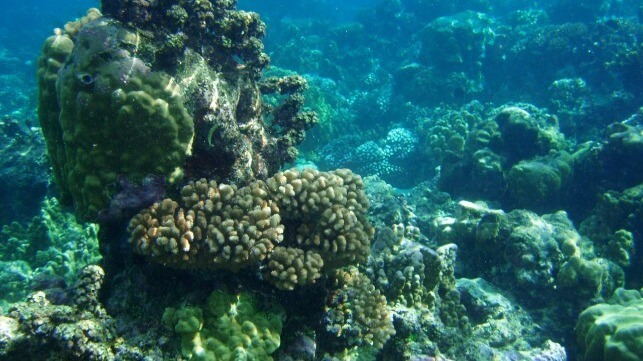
(137, 84)
(101, 91)
(543, 256)
(614, 330)
(537, 183)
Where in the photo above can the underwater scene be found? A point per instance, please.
(321, 180)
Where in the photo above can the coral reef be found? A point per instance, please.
(534, 183)
(443, 99)
(542, 256)
(24, 171)
(570, 99)
(406, 271)
(46, 331)
(480, 151)
(389, 158)
(451, 50)
(307, 220)
(511, 332)
(233, 37)
(16, 81)
(616, 226)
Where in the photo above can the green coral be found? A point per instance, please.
(615, 224)
(100, 91)
(589, 278)
(53, 244)
(526, 131)
(406, 271)
(55, 52)
(229, 327)
(537, 183)
(543, 256)
(612, 331)
(620, 247)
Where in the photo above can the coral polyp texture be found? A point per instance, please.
(356, 312)
(229, 327)
(233, 37)
(138, 84)
(302, 223)
(115, 114)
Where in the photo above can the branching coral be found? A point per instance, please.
(317, 219)
(356, 313)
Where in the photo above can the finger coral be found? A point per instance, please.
(356, 313)
(302, 223)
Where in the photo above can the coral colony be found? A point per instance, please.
(428, 180)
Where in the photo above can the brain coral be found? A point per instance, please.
(300, 222)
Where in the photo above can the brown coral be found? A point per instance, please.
(290, 267)
(220, 227)
(317, 219)
(356, 313)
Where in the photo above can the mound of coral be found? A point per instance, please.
(118, 90)
(229, 327)
(613, 330)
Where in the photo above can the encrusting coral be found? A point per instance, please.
(302, 223)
